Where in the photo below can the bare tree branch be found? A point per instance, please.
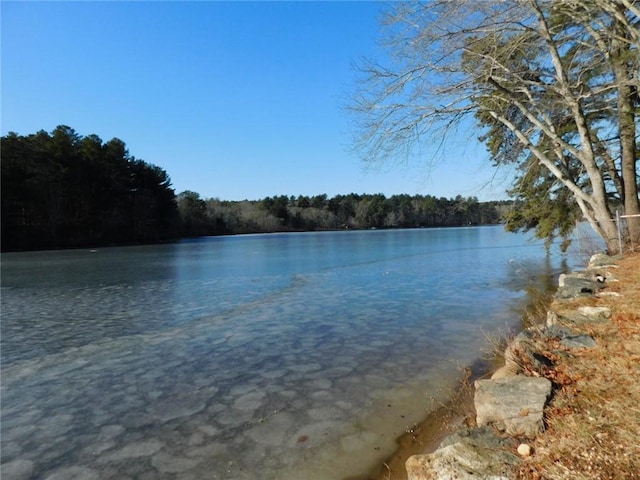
(542, 78)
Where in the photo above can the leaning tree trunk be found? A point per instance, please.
(597, 213)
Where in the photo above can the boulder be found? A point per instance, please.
(582, 315)
(482, 436)
(603, 260)
(574, 285)
(467, 454)
(17, 469)
(513, 405)
(568, 337)
(557, 331)
(578, 341)
(601, 275)
(595, 314)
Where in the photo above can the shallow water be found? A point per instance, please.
(250, 357)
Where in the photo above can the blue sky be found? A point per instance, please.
(235, 100)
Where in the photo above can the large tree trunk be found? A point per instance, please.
(624, 75)
(630, 193)
(603, 223)
(628, 154)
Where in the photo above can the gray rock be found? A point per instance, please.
(595, 314)
(574, 285)
(467, 454)
(577, 278)
(580, 316)
(601, 275)
(483, 436)
(578, 341)
(558, 331)
(514, 405)
(601, 260)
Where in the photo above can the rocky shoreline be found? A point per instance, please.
(510, 406)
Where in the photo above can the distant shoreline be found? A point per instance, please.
(179, 239)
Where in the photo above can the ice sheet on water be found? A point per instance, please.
(205, 365)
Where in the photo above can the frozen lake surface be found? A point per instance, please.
(281, 356)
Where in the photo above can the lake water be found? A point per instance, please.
(281, 356)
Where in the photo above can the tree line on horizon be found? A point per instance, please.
(64, 190)
(341, 212)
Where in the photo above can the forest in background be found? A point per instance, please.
(341, 212)
(64, 190)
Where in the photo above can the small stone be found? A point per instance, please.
(524, 450)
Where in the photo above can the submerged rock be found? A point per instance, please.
(17, 469)
(75, 472)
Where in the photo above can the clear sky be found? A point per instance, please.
(235, 100)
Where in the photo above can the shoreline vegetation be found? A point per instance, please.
(591, 422)
(63, 190)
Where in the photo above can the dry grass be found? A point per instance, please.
(593, 421)
(534, 317)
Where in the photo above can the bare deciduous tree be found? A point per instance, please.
(552, 84)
